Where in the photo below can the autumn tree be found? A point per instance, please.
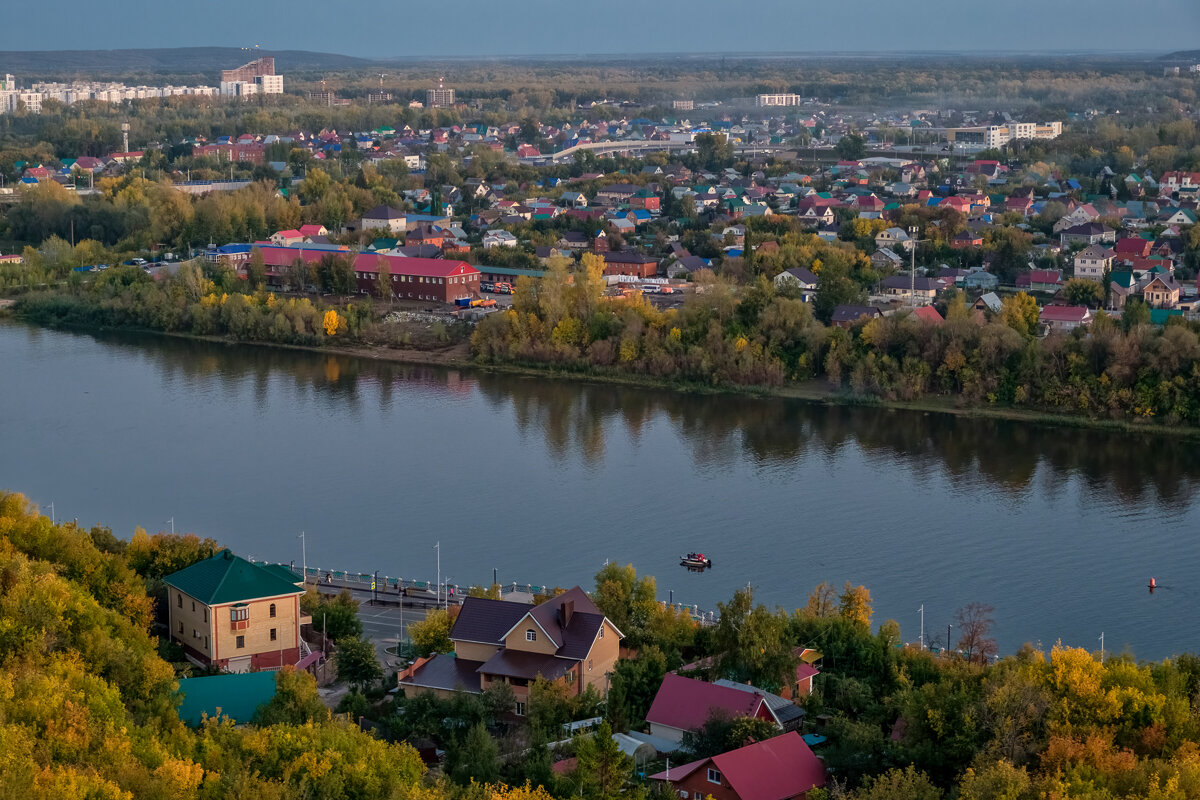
(256, 269)
(854, 604)
(821, 601)
(383, 279)
(1021, 313)
(331, 322)
(432, 634)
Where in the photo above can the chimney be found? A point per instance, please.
(567, 610)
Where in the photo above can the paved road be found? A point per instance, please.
(384, 625)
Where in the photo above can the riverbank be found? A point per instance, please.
(458, 356)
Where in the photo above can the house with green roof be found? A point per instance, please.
(235, 697)
(235, 615)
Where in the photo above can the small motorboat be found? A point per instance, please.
(695, 561)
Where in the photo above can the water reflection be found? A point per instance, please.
(575, 420)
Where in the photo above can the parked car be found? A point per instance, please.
(487, 286)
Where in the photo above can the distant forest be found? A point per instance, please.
(1049, 84)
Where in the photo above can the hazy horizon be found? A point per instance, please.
(479, 29)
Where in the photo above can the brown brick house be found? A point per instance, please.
(229, 613)
(628, 262)
(565, 639)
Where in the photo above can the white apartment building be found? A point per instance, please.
(775, 100)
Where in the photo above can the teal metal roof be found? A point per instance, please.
(236, 696)
(226, 578)
(516, 273)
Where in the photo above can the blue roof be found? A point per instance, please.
(1074, 184)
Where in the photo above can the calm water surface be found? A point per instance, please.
(543, 480)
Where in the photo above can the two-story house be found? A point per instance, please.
(229, 613)
(566, 639)
(1092, 262)
(779, 768)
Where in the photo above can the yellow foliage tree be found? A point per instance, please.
(330, 322)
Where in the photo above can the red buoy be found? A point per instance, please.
(1153, 585)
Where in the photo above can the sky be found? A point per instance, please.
(466, 28)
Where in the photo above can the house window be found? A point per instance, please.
(181, 629)
(193, 605)
(272, 611)
(696, 796)
(239, 614)
(520, 709)
(714, 776)
(241, 643)
(272, 634)
(179, 600)
(601, 631)
(206, 614)
(531, 635)
(589, 665)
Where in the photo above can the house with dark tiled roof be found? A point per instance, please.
(564, 639)
(235, 615)
(780, 768)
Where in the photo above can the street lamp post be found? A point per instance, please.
(374, 591)
(304, 557)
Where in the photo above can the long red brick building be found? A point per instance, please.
(434, 279)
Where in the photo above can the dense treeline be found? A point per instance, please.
(765, 337)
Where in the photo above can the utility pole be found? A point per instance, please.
(922, 639)
(1102, 647)
(303, 557)
(912, 249)
(948, 627)
(172, 523)
(438, 547)
(52, 522)
(374, 583)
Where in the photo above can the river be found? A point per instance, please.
(543, 480)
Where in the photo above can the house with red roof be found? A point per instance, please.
(566, 638)
(685, 704)
(309, 231)
(928, 315)
(782, 768)
(1063, 319)
(1133, 246)
(288, 237)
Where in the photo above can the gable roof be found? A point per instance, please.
(491, 621)
(773, 769)
(226, 578)
(686, 703)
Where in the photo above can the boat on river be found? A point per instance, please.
(695, 561)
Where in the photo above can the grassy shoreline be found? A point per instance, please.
(814, 391)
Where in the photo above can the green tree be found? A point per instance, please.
(357, 663)
(336, 616)
(601, 769)
(296, 701)
(721, 733)
(750, 643)
(905, 783)
(851, 147)
(477, 758)
(1083, 292)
